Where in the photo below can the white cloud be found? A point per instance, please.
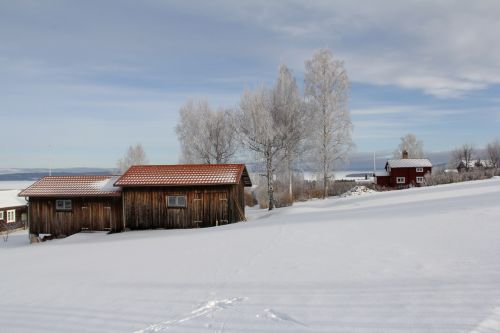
(445, 49)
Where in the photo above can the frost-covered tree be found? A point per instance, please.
(290, 120)
(410, 144)
(493, 152)
(259, 130)
(463, 156)
(206, 135)
(327, 94)
(135, 155)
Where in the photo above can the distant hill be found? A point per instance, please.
(34, 173)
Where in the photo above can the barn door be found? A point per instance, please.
(86, 225)
(107, 218)
(198, 210)
(222, 208)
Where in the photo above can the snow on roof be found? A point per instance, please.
(11, 199)
(381, 174)
(70, 186)
(410, 163)
(186, 174)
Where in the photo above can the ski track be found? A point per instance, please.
(205, 309)
(271, 314)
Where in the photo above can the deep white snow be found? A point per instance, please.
(418, 260)
(15, 184)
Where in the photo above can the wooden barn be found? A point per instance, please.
(403, 173)
(64, 205)
(13, 211)
(183, 196)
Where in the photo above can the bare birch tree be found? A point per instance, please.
(327, 94)
(290, 119)
(463, 155)
(493, 151)
(258, 132)
(410, 144)
(135, 155)
(206, 135)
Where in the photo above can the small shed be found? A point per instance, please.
(64, 205)
(183, 196)
(13, 210)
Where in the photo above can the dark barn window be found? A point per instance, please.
(63, 205)
(176, 201)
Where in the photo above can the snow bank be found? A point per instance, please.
(357, 191)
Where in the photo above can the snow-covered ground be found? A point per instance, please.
(418, 260)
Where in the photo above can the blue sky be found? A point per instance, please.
(82, 80)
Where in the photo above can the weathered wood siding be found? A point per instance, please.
(21, 218)
(206, 206)
(93, 214)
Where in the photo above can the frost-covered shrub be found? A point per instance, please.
(442, 177)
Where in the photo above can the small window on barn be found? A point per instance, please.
(420, 180)
(400, 180)
(11, 216)
(420, 169)
(64, 205)
(1, 215)
(176, 201)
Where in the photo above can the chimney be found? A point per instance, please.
(405, 155)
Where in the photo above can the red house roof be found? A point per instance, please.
(73, 186)
(184, 175)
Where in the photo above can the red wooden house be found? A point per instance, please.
(404, 173)
(13, 210)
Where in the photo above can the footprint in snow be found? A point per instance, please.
(204, 309)
(276, 316)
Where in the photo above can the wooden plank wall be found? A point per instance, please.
(93, 214)
(146, 208)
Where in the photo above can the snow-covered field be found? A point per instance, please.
(15, 184)
(419, 260)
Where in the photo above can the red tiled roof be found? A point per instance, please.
(184, 175)
(73, 186)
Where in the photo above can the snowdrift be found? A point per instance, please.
(418, 260)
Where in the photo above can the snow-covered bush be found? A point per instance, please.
(441, 177)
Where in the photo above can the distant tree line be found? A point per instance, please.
(278, 124)
(468, 163)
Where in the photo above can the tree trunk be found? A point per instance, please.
(325, 180)
(325, 156)
(269, 174)
(290, 178)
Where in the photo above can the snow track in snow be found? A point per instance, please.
(205, 309)
(274, 315)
